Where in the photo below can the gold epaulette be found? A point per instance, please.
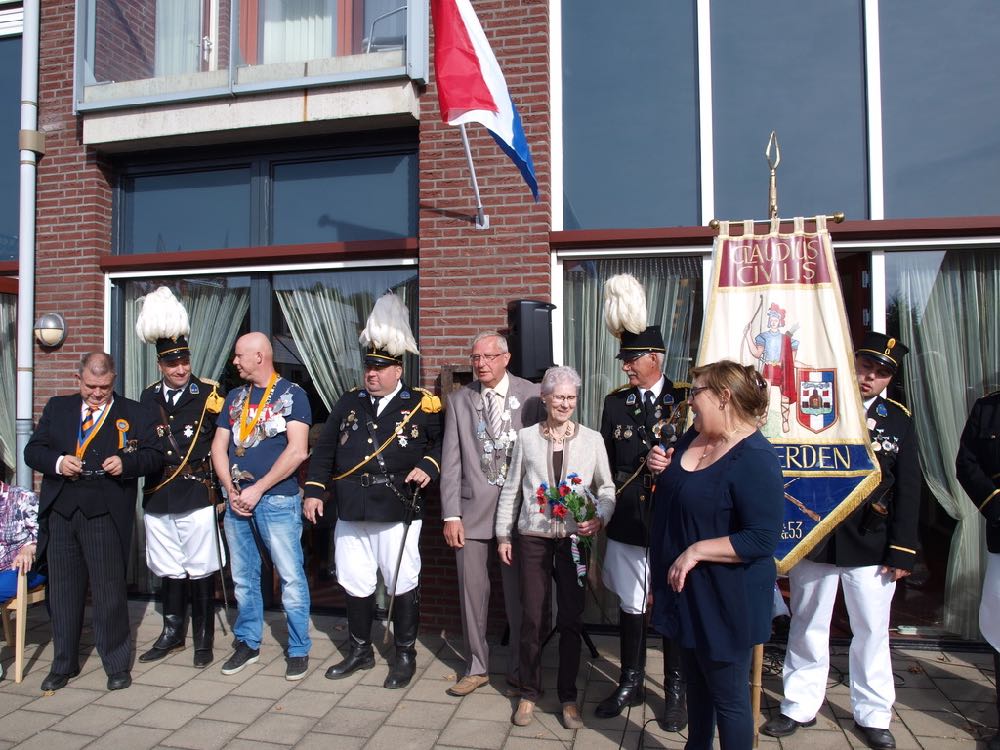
(428, 401)
(682, 384)
(905, 410)
(620, 388)
(214, 402)
(991, 393)
(213, 383)
(152, 385)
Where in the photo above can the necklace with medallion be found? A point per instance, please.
(558, 438)
(246, 425)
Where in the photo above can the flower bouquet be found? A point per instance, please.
(570, 498)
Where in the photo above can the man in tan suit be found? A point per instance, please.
(480, 428)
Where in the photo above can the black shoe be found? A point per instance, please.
(880, 739)
(296, 667)
(174, 595)
(241, 657)
(675, 714)
(784, 726)
(405, 621)
(361, 656)
(119, 681)
(203, 657)
(404, 668)
(628, 693)
(54, 681)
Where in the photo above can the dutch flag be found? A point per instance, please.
(471, 86)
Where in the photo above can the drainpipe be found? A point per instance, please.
(32, 145)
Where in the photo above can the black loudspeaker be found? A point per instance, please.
(530, 337)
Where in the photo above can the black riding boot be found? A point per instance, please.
(203, 619)
(630, 691)
(674, 689)
(360, 616)
(405, 618)
(173, 592)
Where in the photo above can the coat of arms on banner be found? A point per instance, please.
(817, 398)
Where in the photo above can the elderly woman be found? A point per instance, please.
(18, 540)
(717, 514)
(555, 464)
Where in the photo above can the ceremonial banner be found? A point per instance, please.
(776, 302)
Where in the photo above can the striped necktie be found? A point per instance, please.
(88, 422)
(493, 413)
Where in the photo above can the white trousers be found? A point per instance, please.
(626, 572)
(868, 595)
(366, 547)
(182, 544)
(989, 606)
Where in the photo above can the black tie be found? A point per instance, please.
(170, 394)
(647, 406)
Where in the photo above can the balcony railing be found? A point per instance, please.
(134, 52)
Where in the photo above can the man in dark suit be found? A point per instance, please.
(643, 415)
(480, 427)
(866, 554)
(91, 448)
(378, 442)
(978, 469)
(182, 543)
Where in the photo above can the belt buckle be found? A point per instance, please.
(366, 480)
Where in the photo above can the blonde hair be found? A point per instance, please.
(747, 387)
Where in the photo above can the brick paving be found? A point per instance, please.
(944, 701)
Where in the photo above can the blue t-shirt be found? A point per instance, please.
(269, 437)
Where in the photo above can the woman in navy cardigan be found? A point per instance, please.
(717, 515)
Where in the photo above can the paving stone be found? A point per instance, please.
(166, 714)
(48, 739)
(204, 734)
(136, 697)
(937, 724)
(264, 686)
(11, 702)
(430, 690)
(315, 741)
(474, 733)
(983, 716)
(353, 722)
(924, 699)
(132, 737)
(167, 675)
(976, 690)
(529, 743)
(421, 715)
(241, 709)
(486, 707)
(278, 728)
(813, 739)
(94, 720)
(63, 702)
(394, 738)
(20, 725)
(300, 702)
(374, 698)
(200, 691)
(596, 739)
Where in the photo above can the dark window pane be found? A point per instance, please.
(345, 199)
(201, 210)
(630, 118)
(10, 94)
(796, 67)
(940, 107)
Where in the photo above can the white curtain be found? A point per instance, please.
(178, 37)
(299, 30)
(216, 308)
(325, 312)
(949, 317)
(8, 367)
(673, 286)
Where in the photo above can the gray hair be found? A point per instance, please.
(97, 363)
(501, 340)
(559, 375)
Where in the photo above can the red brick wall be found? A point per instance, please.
(73, 213)
(467, 276)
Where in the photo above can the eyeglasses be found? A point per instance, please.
(563, 399)
(477, 358)
(695, 391)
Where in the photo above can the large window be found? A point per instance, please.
(630, 114)
(940, 107)
(268, 199)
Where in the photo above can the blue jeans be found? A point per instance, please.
(279, 519)
(717, 692)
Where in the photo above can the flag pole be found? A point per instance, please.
(482, 220)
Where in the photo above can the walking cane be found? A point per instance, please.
(412, 507)
(757, 666)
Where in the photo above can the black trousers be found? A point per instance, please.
(718, 691)
(542, 560)
(85, 550)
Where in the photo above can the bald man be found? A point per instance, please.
(261, 439)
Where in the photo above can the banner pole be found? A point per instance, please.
(482, 220)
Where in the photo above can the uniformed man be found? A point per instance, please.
(380, 443)
(182, 543)
(978, 470)
(641, 420)
(867, 553)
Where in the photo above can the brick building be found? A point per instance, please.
(279, 164)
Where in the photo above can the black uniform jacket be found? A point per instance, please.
(350, 439)
(127, 431)
(860, 541)
(978, 463)
(190, 420)
(628, 438)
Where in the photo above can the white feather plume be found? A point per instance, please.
(161, 316)
(624, 305)
(388, 327)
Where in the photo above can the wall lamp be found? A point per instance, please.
(50, 330)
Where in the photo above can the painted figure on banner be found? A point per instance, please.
(775, 348)
(182, 533)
